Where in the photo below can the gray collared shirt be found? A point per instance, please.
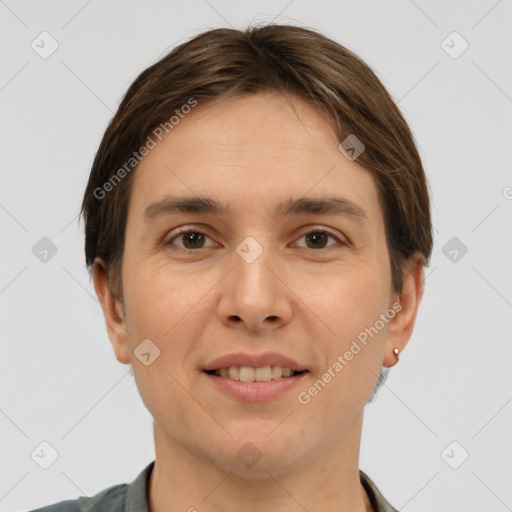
(134, 497)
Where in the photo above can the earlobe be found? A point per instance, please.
(112, 311)
(402, 325)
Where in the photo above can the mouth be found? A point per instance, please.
(254, 377)
(250, 374)
(254, 384)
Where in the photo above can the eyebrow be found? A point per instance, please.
(337, 206)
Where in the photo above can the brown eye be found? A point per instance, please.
(192, 240)
(318, 239)
(189, 240)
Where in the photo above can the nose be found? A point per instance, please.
(254, 296)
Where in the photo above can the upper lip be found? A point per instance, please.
(254, 361)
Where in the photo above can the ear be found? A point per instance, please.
(113, 312)
(401, 326)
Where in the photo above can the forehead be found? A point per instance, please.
(252, 153)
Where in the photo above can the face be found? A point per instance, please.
(257, 282)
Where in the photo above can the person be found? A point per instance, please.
(257, 223)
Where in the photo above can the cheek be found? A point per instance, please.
(350, 352)
(157, 297)
(352, 301)
(171, 309)
(165, 314)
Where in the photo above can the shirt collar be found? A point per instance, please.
(377, 500)
(137, 496)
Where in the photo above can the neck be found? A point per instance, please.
(183, 481)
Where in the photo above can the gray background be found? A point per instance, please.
(60, 382)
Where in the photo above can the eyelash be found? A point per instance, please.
(192, 230)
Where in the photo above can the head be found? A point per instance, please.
(243, 124)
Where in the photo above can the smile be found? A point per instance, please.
(248, 374)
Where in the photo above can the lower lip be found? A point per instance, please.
(255, 391)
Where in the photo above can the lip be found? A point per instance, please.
(254, 361)
(255, 391)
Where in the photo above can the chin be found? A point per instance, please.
(256, 451)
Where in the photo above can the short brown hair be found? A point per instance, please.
(228, 63)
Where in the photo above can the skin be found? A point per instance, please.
(196, 305)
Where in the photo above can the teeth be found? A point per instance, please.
(277, 372)
(263, 374)
(234, 373)
(248, 374)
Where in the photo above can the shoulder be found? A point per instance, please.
(118, 498)
(377, 500)
(111, 499)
